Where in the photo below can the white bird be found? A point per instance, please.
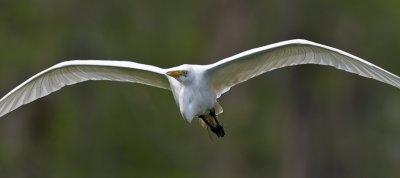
(195, 87)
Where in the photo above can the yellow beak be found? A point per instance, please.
(176, 73)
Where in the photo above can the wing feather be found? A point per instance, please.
(228, 72)
(72, 72)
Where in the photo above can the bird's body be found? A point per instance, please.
(194, 97)
(196, 101)
(196, 88)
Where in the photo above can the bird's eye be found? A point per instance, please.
(184, 73)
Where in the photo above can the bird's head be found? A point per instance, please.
(183, 74)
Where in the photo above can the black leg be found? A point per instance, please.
(218, 129)
(212, 113)
(205, 120)
(215, 126)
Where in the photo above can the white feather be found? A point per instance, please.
(196, 92)
(72, 72)
(228, 72)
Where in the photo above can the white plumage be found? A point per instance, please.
(195, 87)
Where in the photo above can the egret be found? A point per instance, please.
(195, 88)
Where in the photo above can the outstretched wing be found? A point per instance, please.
(71, 72)
(228, 72)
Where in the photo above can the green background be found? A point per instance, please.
(304, 122)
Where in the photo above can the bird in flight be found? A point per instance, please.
(195, 88)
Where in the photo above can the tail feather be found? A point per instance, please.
(218, 108)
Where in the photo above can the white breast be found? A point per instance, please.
(194, 97)
(196, 100)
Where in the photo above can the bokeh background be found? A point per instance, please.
(303, 122)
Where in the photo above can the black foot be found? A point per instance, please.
(214, 124)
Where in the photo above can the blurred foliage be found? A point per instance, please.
(306, 121)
